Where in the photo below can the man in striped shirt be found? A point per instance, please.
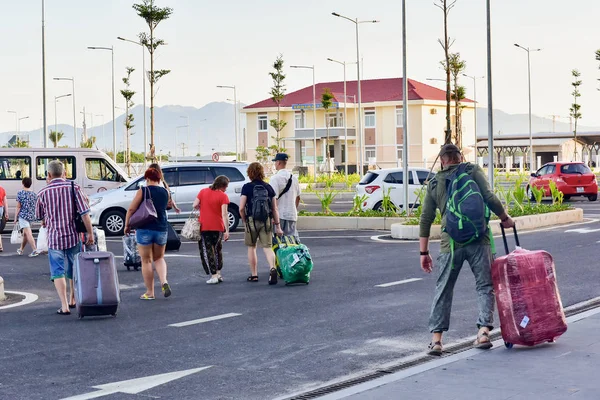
(55, 208)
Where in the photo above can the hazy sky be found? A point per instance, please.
(235, 42)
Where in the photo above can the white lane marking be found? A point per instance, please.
(29, 298)
(173, 256)
(384, 285)
(135, 386)
(203, 320)
(582, 230)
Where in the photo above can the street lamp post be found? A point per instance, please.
(45, 128)
(113, 97)
(475, 101)
(187, 120)
(56, 101)
(177, 140)
(74, 112)
(360, 117)
(344, 63)
(314, 117)
(405, 113)
(143, 91)
(528, 50)
(490, 96)
(235, 127)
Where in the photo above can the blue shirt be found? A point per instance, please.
(27, 199)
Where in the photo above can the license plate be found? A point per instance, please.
(579, 190)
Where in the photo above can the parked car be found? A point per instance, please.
(185, 181)
(571, 178)
(376, 183)
(92, 169)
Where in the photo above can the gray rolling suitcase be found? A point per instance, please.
(96, 284)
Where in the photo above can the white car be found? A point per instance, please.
(376, 183)
(185, 180)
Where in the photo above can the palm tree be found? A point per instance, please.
(88, 144)
(56, 137)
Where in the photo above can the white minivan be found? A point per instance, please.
(92, 169)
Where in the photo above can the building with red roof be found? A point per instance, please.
(382, 115)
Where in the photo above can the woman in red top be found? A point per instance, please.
(214, 226)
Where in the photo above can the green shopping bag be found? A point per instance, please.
(295, 263)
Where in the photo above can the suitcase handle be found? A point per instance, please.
(504, 237)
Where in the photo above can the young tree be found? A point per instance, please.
(598, 59)
(128, 95)
(575, 107)
(446, 6)
(153, 15)
(277, 94)
(20, 143)
(55, 137)
(457, 67)
(88, 143)
(326, 102)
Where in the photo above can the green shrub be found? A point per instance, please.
(326, 198)
(557, 195)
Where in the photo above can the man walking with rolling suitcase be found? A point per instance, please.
(287, 189)
(462, 194)
(56, 205)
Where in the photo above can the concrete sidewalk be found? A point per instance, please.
(567, 369)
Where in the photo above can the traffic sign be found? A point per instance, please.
(215, 157)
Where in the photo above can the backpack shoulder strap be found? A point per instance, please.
(287, 186)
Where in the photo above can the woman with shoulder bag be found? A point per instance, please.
(214, 227)
(151, 233)
(171, 204)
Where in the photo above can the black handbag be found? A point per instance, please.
(79, 225)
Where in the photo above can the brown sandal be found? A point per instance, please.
(483, 341)
(435, 349)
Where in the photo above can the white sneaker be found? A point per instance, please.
(212, 281)
(20, 252)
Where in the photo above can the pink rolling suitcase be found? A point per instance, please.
(96, 284)
(529, 304)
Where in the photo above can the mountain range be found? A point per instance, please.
(212, 128)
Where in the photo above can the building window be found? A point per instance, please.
(335, 120)
(399, 118)
(300, 120)
(370, 153)
(263, 123)
(399, 152)
(369, 119)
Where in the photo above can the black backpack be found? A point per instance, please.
(261, 204)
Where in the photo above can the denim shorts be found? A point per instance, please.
(147, 237)
(62, 261)
(23, 223)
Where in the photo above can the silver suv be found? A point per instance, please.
(185, 181)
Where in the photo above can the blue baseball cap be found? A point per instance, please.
(281, 157)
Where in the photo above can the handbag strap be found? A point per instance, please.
(74, 199)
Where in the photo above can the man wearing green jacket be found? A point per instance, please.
(451, 258)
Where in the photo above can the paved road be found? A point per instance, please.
(285, 338)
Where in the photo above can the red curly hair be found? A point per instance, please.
(152, 174)
(256, 172)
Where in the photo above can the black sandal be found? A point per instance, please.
(252, 278)
(72, 305)
(273, 277)
(61, 312)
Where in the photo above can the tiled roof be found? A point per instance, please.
(373, 90)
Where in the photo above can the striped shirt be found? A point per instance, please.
(55, 206)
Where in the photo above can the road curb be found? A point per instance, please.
(347, 223)
(529, 222)
(329, 391)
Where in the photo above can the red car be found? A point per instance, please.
(571, 178)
